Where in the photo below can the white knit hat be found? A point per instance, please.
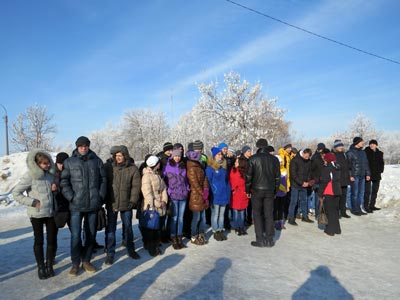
(152, 161)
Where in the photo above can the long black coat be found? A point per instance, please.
(341, 160)
(83, 182)
(316, 166)
(376, 163)
(330, 172)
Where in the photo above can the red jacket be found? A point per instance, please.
(239, 198)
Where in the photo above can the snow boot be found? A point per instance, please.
(217, 236)
(180, 242)
(202, 239)
(42, 274)
(49, 269)
(175, 243)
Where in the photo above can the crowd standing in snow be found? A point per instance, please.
(176, 194)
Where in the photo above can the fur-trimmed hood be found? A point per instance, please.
(34, 170)
(216, 166)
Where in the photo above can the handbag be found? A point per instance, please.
(101, 219)
(150, 218)
(322, 217)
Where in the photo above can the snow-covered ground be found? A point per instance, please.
(362, 263)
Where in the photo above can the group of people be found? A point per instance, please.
(188, 190)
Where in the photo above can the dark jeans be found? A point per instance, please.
(342, 201)
(298, 196)
(371, 192)
(76, 241)
(279, 203)
(263, 209)
(331, 204)
(51, 230)
(177, 218)
(126, 218)
(198, 222)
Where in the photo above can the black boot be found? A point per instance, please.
(292, 222)
(42, 274)
(49, 269)
(307, 220)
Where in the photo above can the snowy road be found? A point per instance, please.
(362, 263)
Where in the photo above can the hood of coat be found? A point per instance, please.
(125, 153)
(34, 170)
(213, 164)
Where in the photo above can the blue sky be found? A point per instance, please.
(90, 61)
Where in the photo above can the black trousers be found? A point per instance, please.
(331, 204)
(342, 201)
(151, 239)
(286, 205)
(371, 192)
(263, 209)
(249, 214)
(279, 203)
(38, 232)
(187, 221)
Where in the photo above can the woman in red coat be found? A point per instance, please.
(239, 200)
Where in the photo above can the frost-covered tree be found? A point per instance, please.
(238, 115)
(33, 129)
(102, 140)
(361, 126)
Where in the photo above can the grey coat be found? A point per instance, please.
(37, 185)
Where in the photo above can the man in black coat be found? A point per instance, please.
(377, 166)
(341, 160)
(262, 182)
(84, 185)
(300, 180)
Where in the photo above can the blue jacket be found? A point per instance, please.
(83, 182)
(217, 176)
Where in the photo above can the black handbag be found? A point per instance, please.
(322, 217)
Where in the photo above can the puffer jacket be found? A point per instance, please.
(83, 182)
(123, 185)
(300, 171)
(154, 191)
(240, 200)
(178, 188)
(37, 184)
(316, 166)
(198, 184)
(286, 158)
(376, 163)
(217, 175)
(330, 173)
(358, 162)
(263, 172)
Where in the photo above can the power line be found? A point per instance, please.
(313, 33)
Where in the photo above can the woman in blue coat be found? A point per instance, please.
(220, 191)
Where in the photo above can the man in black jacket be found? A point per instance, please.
(83, 183)
(376, 165)
(262, 181)
(300, 180)
(341, 160)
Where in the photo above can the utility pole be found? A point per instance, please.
(6, 123)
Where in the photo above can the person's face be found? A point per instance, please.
(373, 147)
(60, 166)
(218, 156)
(83, 150)
(340, 149)
(177, 158)
(157, 166)
(306, 156)
(224, 151)
(288, 150)
(44, 165)
(119, 158)
(247, 154)
(360, 144)
(168, 153)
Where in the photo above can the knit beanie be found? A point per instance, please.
(269, 149)
(222, 145)
(245, 149)
(168, 146)
(215, 151)
(152, 161)
(198, 145)
(262, 143)
(375, 142)
(82, 141)
(61, 157)
(321, 146)
(193, 155)
(357, 140)
(338, 143)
